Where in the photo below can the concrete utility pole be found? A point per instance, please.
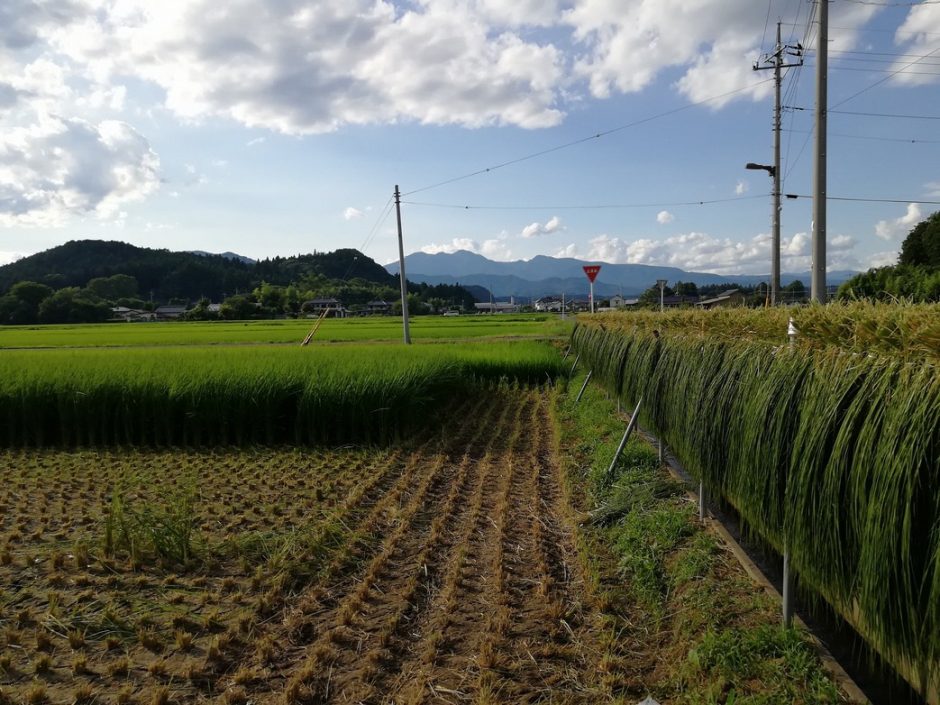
(818, 290)
(401, 271)
(775, 62)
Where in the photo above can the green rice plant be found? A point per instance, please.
(824, 451)
(371, 394)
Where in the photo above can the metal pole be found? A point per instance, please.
(660, 451)
(592, 297)
(401, 268)
(775, 255)
(584, 386)
(818, 291)
(701, 500)
(787, 590)
(626, 436)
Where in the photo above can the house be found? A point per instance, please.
(731, 297)
(679, 300)
(169, 313)
(547, 303)
(333, 308)
(379, 308)
(497, 307)
(618, 301)
(130, 315)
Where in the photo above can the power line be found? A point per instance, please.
(886, 115)
(874, 29)
(875, 139)
(603, 206)
(873, 70)
(895, 4)
(595, 136)
(867, 200)
(881, 80)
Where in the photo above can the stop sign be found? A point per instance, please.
(591, 270)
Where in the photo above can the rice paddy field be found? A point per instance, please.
(286, 332)
(364, 522)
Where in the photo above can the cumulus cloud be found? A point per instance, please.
(8, 257)
(899, 227)
(883, 259)
(715, 41)
(299, 67)
(664, 217)
(570, 250)
(704, 253)
(741, 188)
(494, 248)
(352, 213)
(918, 36)
(60, 168)
(536, 229)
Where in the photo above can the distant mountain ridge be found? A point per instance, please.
(185, 275)
(546, 276)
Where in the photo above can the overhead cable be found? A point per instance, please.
(589, 138)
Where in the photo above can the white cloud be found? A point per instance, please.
(58, 168)
(715, 41)
(536, 229)
(299, 67)
(352, 213)
(455, 245)
(494, 248)
(701, 252)
(664, 217)
(742, 187)
(256, 141)
(918, 36)
(933, 189)
(567, 251)
(899, 227)
(883, 259)
(8, 257)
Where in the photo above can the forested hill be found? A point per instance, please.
(185, 275)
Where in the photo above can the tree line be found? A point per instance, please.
(49, 288)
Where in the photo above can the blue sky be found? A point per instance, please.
(275, 128)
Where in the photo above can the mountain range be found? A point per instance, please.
(547, 276)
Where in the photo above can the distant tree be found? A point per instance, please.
(922, 245)
(73, 305)
(651, 295)
(238, 308)
(119, 286)
(686, 289)
(21, 304)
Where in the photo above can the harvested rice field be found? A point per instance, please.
(441, 571)
(451, 568)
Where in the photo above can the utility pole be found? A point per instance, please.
(401, 271)
(775, 62)
(818, 290)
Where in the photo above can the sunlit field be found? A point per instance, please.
(286, 332)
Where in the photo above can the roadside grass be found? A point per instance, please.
(424, 329)
(690, 619)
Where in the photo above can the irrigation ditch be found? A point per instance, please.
(824, 450)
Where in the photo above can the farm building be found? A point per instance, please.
(731, 297)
